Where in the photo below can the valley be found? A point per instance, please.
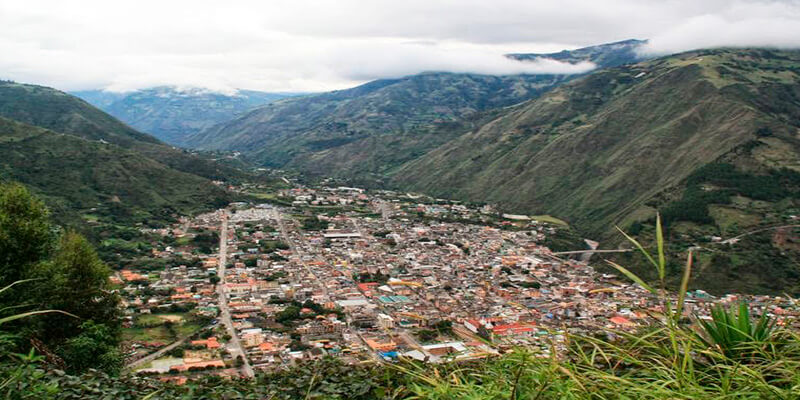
(603, 150)
(601, 222)
(373, 276)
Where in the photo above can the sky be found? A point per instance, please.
(308, 46)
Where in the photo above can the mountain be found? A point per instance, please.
(170, 114)
(605, 55)
(373, 128)
(85, 162)
(99, 98)
(77, 174)
(710, 138)
(61, 112)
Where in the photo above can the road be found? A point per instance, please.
(234, 345)
(735, 238)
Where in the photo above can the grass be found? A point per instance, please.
(159, 333)
(263, 196)
(155, 334)
(776, 153)
(154, 328)
(733, 334)
(641, 366)
(730, 219)
(549, 219)
(158, 319)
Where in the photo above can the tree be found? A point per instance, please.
(288, 314)
(75, 280)
(426, 335)
(95, 347)
(26, 235)
(67, 275)
(444, 327)
(177, 352)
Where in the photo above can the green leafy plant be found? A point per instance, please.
(735, 334)
(23, 378)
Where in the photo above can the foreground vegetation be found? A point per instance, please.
(44, 268)
(657, 364)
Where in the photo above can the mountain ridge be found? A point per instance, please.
(80, 158)
(564, 110)
(613, 147)
(171, 113)
(316, 133)
(61, 112)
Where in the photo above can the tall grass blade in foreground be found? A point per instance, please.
(7, 319)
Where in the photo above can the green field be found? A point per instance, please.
(156, 328)
(549, 219)
(263, 196)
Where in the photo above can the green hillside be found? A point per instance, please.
(89, 167)
(53, 109)
(171, 114)
(614, 146)
(61, 112)
(374, 128)
(81, 177)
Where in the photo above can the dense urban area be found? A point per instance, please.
(368, 277)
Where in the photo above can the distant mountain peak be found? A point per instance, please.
(172, 112)
(604, 55)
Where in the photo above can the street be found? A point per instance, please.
(234, 345)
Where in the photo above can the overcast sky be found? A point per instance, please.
(298, 45)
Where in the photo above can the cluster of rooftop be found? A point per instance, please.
(372, 277)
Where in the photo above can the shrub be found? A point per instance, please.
(735, 334)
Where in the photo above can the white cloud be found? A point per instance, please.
(303, 45)
(743, 24)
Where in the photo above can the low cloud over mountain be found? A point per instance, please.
(316, 46)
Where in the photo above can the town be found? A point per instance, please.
(369, 277)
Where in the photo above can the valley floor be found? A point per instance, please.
(374, 278)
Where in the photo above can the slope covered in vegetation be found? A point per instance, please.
(170, 113)
(371, 129)
(61, 112)
(613, 147)
(595, 149)
(76, 175)
(97, 174)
